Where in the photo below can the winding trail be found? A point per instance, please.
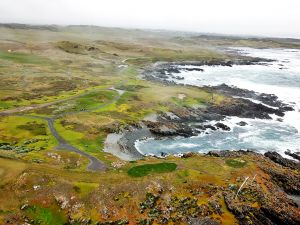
(95, 164)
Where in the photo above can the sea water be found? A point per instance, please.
(281, 77)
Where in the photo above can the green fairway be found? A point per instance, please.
(143, 170)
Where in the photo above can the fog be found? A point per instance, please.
(279, 18)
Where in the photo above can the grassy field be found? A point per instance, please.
(84, 102)
(22, 58)
(67, 72)
(24, 137)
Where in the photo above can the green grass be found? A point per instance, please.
(143, 170)
(45, 216)
(130, 87)
(25, 100)
(23, 58)
(89, 101)
(67, 132)
(80, 140)
(22, 128)
(30, 137)
(92, 100)
(5, 105)
(236, 163)
(84, 188)
(190, 102)
(34, 127)
(92, 146)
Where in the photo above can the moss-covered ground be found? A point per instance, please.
(39, 185)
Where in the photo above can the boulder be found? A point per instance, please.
(222, 126)
(242, 123)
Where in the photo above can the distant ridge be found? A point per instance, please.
(194, 35)
(27, 26)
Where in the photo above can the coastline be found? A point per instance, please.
(244, 104)
(122, 145)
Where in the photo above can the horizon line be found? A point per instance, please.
(154, 29)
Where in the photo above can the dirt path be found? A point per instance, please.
(95, 164)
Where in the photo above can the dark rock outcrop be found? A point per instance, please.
(268, 99)
(289, 182)
(170, 129)
(244, 108)
(293, 154)
(242, 123)
(277, 158)
(227, 153)
(268, 214)
(222, 126)
(246, 214)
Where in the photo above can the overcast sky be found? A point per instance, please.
(249, 17)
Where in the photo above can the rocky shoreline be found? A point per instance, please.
(161, 71)
(188, 121)
(268, 194)
(280, 204)
(282, 207)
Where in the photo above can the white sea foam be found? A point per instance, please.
(281, 78)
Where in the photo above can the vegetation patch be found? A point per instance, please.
(236, 163)
(45, 216)
(89, 101)
(84, 188)
(76, 48)
(5, 105)
(23, 58)
(34, 127)
(143, 170)
(190, 102)
(131, 87)
(92, 100)
(17, 149)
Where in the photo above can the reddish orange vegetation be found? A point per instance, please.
(202, 186)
